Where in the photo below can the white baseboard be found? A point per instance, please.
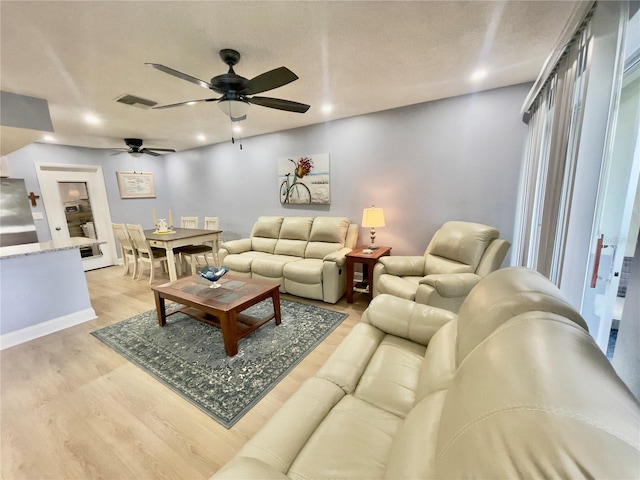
(45, 328)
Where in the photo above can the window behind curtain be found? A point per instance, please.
(554, 119)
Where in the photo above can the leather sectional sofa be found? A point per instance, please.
(304, 254)
(513, 386)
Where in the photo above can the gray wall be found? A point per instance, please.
(452, 159)
(138, 210)
(457, 158)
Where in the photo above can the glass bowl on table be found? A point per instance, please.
(213, 274)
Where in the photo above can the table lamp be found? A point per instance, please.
(373, 217)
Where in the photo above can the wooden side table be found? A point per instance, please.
(368, 261)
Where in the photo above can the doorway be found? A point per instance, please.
(617, 221)
(75, 201)
(79, 214)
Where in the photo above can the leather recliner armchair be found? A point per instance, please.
(458, 256)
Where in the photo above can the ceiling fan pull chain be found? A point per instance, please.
(233, 140)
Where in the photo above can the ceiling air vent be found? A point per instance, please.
(134, 101)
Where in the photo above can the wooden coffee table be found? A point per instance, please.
(222, 306)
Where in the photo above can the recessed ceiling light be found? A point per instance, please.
(237, 128)
(202, 138)
(91, 119)
(479, 75)
(327, 108)
(48, 138)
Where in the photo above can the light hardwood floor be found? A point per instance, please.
(73, 408)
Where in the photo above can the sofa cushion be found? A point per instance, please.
(330, 230)
(265, 233)
(304, 290)
(462, 243)
(390, 380)
(321, 249)
(328, 235)
(308, 270)
(436, 264)
(296, 228)
(290, 247)
(241, 262)
(271, 266)
(294, 235)
(403, 287)
(353, 441)
(266, 245)
(267, 227)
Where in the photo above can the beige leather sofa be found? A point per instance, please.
(304, 254)
(512, 386)
(458, 256)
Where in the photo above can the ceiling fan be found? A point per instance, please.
(136, 149)
(237, 93)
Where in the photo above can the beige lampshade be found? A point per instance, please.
(373, 217)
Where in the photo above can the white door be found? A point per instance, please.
(51, 177)
(616, 225)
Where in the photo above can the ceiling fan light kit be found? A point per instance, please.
(234, 109)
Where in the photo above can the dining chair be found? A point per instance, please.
(128, 250)
(146, 253)
(189, 253)
(189, 222)
(210, 256)
(213, 223)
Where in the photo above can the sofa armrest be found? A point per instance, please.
(450, 285)
(237, 246)
(405, 318)
(274, 448)
(337, 256)
(403, 265)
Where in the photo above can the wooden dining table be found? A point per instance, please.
(180, 237)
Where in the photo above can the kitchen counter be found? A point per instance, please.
(49, 246)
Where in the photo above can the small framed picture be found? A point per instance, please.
(136, 185)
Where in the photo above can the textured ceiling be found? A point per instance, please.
(361, 57)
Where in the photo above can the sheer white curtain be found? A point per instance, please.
(554, 117)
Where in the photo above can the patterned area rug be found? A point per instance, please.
(188, 356)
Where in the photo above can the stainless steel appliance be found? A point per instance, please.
(16, 220)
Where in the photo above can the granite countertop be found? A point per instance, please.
(44, 247)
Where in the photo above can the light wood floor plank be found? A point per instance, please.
(70, 407)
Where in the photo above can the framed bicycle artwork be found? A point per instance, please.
(304, 180)
(136, 185)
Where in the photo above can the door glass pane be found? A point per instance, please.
(617, 220)
(78, 212)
